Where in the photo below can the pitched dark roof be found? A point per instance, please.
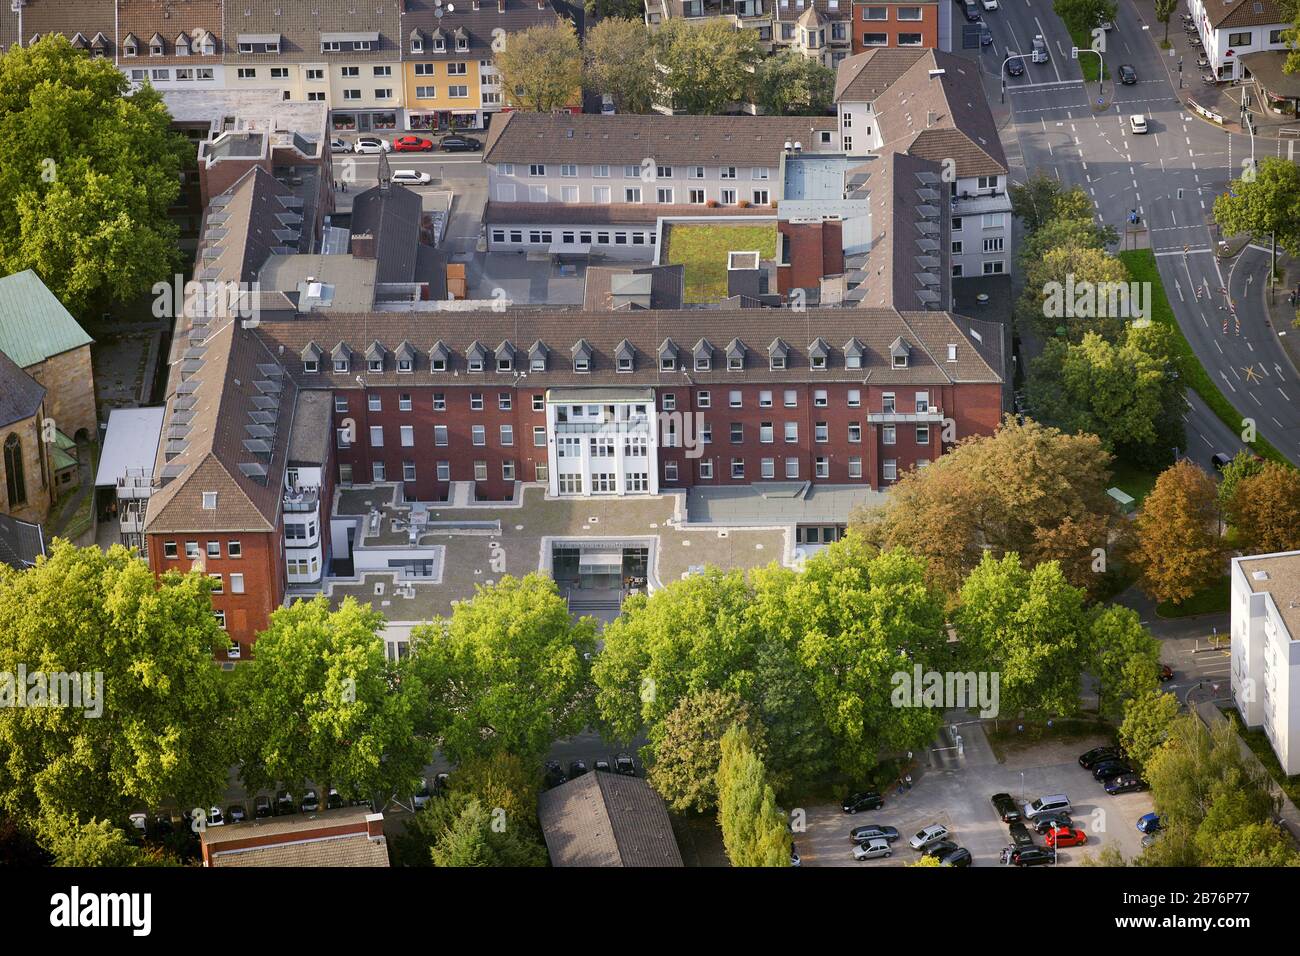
(392, 214)
(421, 17)
(607, 819)
(21, 543)
(667, 286)
(20, 394)
(1224, 14)
(864, 76)
(628, 138)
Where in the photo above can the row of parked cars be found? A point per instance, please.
(555, 773)
(373, 145)
(875, 840)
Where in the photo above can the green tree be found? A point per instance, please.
(1067, 293)
(686, 747)
(1030, 627)
(87, 173)
(501, 780)
(1147, 718)
(620, 62)
(1042, 199)
(1028, 488)
(1264, 507)
(1065, 230)
(1123, 657)
(1242, 466)
(1177, 548)
(541, 68)
(689, 636)
(507, 671)
(1265, 202)
(790, 84)
(93, 843)
(153, 725)
(753, 830)
(606, 9)
(1084, 15)
(1164, 13)
(1126, 393)
(321, 702)
(704, 69)
(462, 830)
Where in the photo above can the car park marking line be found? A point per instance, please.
(1284, 395)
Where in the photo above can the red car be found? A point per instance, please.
(412, 144)
(1065, 836)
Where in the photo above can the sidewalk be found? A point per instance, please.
(1222, 100)
(1281, 313)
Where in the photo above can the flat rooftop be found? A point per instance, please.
(1279, 576)
(817, 177)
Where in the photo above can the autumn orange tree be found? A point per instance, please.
(1265, 509)
(1028, 489)
(1178, 550)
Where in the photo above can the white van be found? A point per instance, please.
(1057, 802)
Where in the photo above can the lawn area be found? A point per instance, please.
(1213, 600)
(1141, 265)
(1133, 480)
(1258, 743)
(1005, 739)
(703, 249)
(1082, 38)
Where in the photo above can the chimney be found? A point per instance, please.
(375, 826)
(501, 6)
(363, 245)
(476, 4)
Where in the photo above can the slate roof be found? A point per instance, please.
(20, 394)
(627, 138)
(169, 18)
(864, 76)
(420, 16)
(875, 329)
(86, 17)
(667, 285)
(607, 819)
(300, 24)
(392, 215)
(34, 325)
(21, 542)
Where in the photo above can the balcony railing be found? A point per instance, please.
(308, 499)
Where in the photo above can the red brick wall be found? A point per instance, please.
(927, 26)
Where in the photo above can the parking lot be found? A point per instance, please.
(958, 798)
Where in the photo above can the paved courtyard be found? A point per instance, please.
(955, 791)
(489, 542)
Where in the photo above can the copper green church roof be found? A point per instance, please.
(34, 325)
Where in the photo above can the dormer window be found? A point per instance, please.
(703, 363)
(819, 361)
(778, 363)
(735, 363)
(625, 363)
(245, 48)
(475, 364)
(417, 45)
(537, 364)
(329, 46)
(439, 45)
(462, 44)
(209, 47)
(438, 365)
(667, 364)
(362, 45)
(581, 364)
(375, 365)
(899, 352)
(404, 365)
(340, 366)
(311, 366)
(182, 45)
(900, 360)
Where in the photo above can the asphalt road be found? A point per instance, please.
(1171, 176)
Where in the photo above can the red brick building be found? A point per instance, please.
(923, 24)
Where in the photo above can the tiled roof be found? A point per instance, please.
(1224, 14)
(21, 543)
(875, 329)
(943, 116)
(34, 325)
(607, 819)
(628, 139)
(300, 23)
(20, 394)
(478, 19)
(356, 849)
(92, 19)
(605, 214)
(171, 19)
(894, 273)
(392, 215)
(667, 285)
(864, 76)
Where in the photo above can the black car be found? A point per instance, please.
(283, 803)
(1127, 75)
(1097, 755)
(162, 824)
(1220, 460)
(460, 144)
(1125, 783)
(625, 765)
(866, 800)
(554, 775)
(310, 802)
(1006, 807)
(958, 857)
(1033, 856)
(972, 10)
(262, 807)
(1110, 768)
(576, 768)
(1015, 66)
(1049, 820)
(601, 766)
(873, 831)
(333, 799)
(236, 813)
(441, 784)
(940, 848)
(1020, 835)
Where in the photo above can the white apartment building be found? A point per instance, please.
(1265, 653)
(1233, 29)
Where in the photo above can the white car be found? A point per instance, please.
(1137, 123)
(421, 796)
(411, 177)
(990, 4)
(368, 145)
(139, 820)
(872, 849)
(931, 834)
(340, 145)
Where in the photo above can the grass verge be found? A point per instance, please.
(1213, 600)
(1141, 265)
(1133, 480)
(1258, 743)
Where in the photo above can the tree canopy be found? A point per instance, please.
(1177, 547)
(620, 61)
(541, 68)
(705, 68)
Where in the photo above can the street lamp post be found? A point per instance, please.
(1002, 74)
(1101, 66)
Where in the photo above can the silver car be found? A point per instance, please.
(872, 849)
(931, 834)
(370, 145)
